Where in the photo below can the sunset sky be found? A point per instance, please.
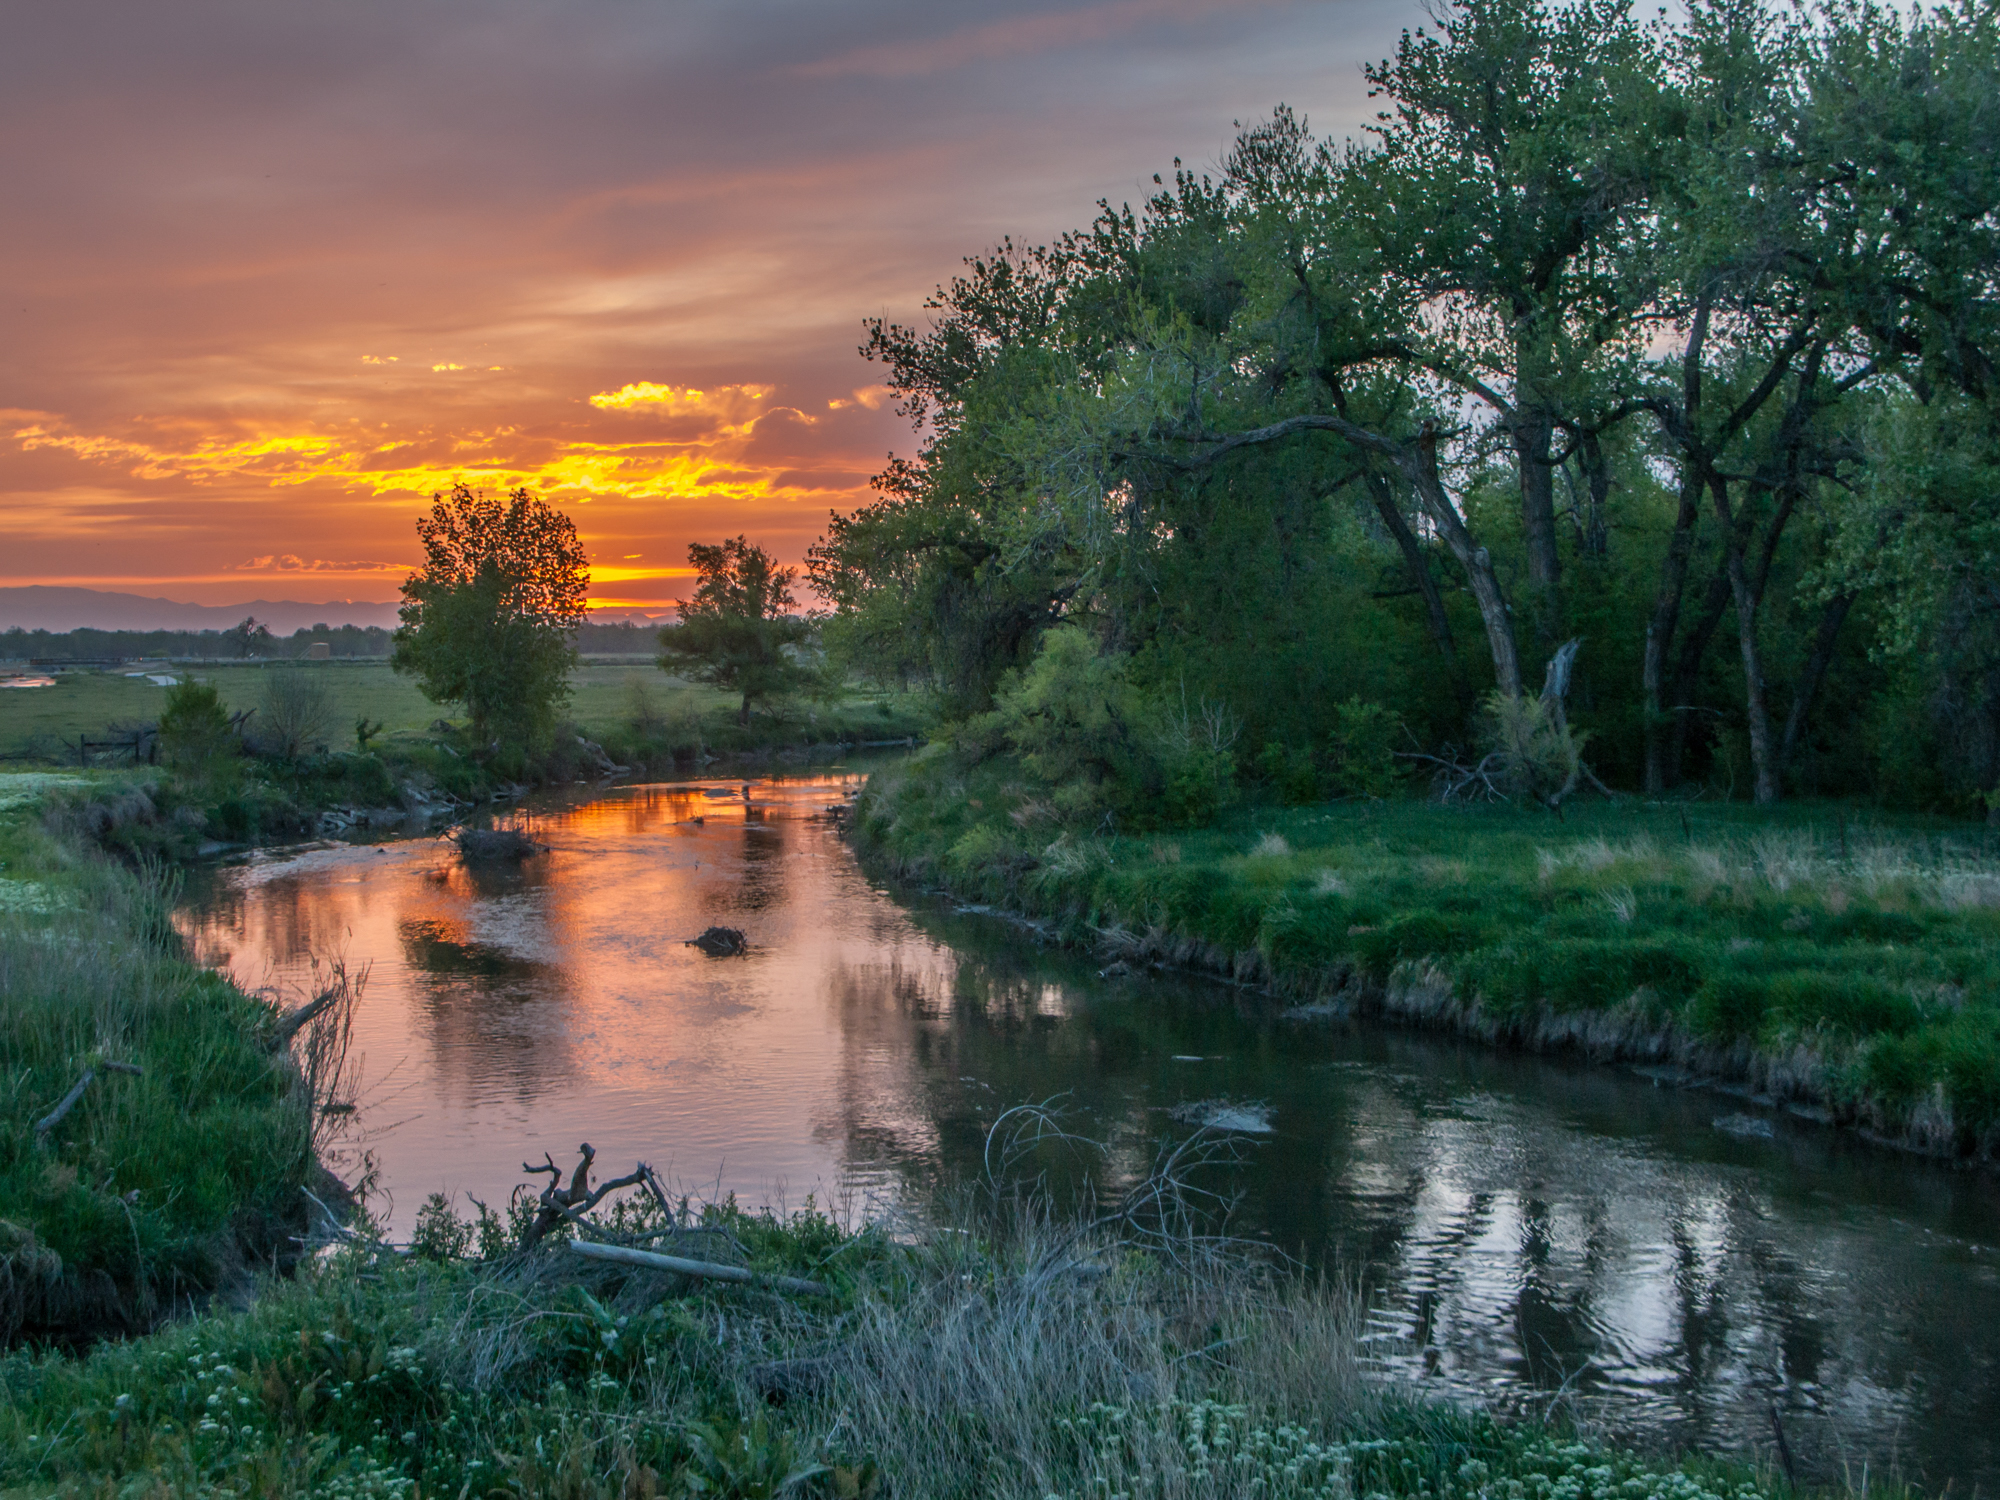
(275, 272)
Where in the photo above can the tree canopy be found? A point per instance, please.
(738, 632)
(487, 619)
(1677, 337)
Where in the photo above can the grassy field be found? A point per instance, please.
(36, 721)
(1826, 955)
(156, 1184)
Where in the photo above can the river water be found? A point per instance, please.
(1529, 1232)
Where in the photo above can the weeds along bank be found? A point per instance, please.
(156, 1125)
(1007, 1355)
(1849, 965)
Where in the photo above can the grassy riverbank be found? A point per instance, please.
(1005, 1357)
(1842, 961)
(179, 1165)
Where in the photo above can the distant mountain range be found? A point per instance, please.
(41, 607)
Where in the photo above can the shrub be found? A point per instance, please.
(194, 729)
(1290, 773)
(298, 711)
(1538, 754)
(1364, 748)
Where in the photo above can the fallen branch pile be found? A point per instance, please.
(559, 1205)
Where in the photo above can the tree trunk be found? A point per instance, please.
(1763, 760)
(1660, 633)
(743, 713)
(1687, 672)
(1383, 494)
(1538, 524)
(1419, 465)
(1830, 620)
(1673, 569)
(1763, 754)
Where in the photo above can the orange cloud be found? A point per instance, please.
(869, 396)
(728, 401)
(289, 562)
(713, 458)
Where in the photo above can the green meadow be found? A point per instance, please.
(606, 698)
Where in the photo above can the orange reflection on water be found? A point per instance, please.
(517, 1010)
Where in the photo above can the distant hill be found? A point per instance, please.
(41, 607)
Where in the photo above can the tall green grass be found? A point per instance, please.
(1852, 960)
(154, 1187)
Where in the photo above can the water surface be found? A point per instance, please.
(1530, 1232)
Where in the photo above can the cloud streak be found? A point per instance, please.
(278, 273)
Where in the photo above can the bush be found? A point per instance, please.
(195, 738)
(1073, 714)
(1538, 754)
(1364, 749)
(1290, 773)
(298, 711)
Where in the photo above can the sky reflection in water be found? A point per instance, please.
(1529, 1231)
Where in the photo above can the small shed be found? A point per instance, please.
(319, 651)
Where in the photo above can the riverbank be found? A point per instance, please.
(988, 1349)
(1006, 1354)
(156, 1123)
(1841, 964)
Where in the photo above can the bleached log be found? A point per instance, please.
(707, 1269)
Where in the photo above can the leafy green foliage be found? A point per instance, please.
(195, 736)
(152, 1187)
(486, 620)
(1674, 336)
(737, 633)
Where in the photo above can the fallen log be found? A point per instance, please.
(653, 1261)
(293, 1021)
(54, 1117)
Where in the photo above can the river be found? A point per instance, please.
(1529, 1232)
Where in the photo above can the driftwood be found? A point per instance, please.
(293, 1021)
(572, 1202)
(653, 1261)
(720, 942)
(54, 1117)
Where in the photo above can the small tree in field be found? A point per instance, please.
(735, 632)
(298, 710)
(196, 739)
(487, 619)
